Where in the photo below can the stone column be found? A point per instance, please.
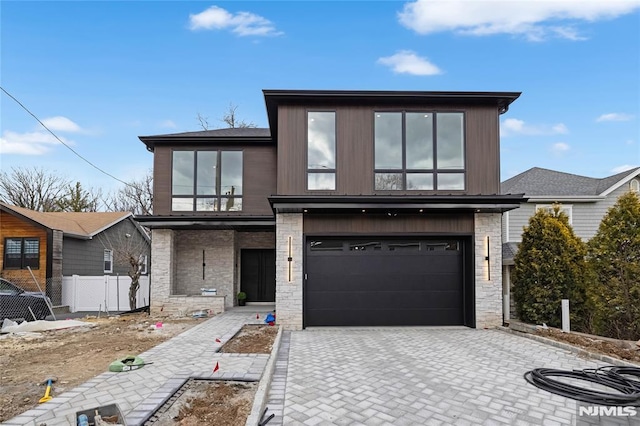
(162, 268)
(488, 274)
(289, 279)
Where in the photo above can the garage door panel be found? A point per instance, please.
(436, 317)
(384, 287)
(351, 300)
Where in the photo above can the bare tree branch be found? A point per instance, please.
(34, 189)
(136, 197)
(204, 121)
(231, 119)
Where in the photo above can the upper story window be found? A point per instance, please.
(108, 260)
(206, 181)
(20, 253)
(321, 150)
(419, 151)
(634, 185)
(566, 209)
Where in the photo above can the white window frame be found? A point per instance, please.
(108, 257)
(634, 185)
(566, 208)
(143, 264)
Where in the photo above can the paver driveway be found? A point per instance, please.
(419, 376)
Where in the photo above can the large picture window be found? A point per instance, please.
(419, 151)
(321, 150)
(206, 181)
(21, 252)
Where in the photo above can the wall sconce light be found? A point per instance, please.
(290, 259)
(488, 259)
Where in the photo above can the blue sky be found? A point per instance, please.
(100, 74)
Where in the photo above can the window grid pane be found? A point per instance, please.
(321, 181)
(321, 140)
(207, 168)
(450, 141)
(182, 173)
(388, 140)
(419, 140)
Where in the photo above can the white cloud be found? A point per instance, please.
(535, 20)
(513, 126)
(407, 62)
(61, 124)
(31, 143)
(614, 116)
(241, 23)
(623, 168)
(168, 124)
(560, 148)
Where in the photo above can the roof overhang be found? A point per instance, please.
(565, 198)
(273, 98)
(395, 203)
(152, 141)
(208, 222)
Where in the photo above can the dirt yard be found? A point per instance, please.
(593, 344)
(75, 355)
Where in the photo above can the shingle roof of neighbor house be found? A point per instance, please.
(78, 224)
(539, 182)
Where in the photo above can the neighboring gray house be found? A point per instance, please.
(61, 244)
(584, 199)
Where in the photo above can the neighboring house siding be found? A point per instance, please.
(14, 227)
(585, 219)
(258, 183)
(355, 149)
(86, 257)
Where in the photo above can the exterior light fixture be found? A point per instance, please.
(488, 259)
(290, 259)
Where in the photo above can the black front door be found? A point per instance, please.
(258, 274)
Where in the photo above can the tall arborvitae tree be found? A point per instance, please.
(550, 266)
(614, 257)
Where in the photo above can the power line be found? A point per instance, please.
(61, 141)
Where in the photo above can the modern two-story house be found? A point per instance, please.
(353, 208)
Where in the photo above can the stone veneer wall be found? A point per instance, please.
(289, 292)
(162, 268)
(488, 291)
(219, 259)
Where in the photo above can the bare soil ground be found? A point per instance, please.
(75, 355)
(223, 403)
(594, 344)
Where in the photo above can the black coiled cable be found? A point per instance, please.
(625, 380)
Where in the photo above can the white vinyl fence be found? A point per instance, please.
(108, 293)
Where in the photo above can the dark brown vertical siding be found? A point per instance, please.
(292, 145)
(373, 224)
(259, 179)
(483, 151)
(162, 181)
(355, 149)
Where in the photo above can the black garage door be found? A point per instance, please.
(373, 282)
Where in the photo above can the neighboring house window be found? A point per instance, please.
(143, 265)
(566, 209)
(21, 252)
(419, 151)
(321, 150)
(207, 181)
(634, 185)
(108, 260)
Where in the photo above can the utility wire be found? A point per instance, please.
(61, 141)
